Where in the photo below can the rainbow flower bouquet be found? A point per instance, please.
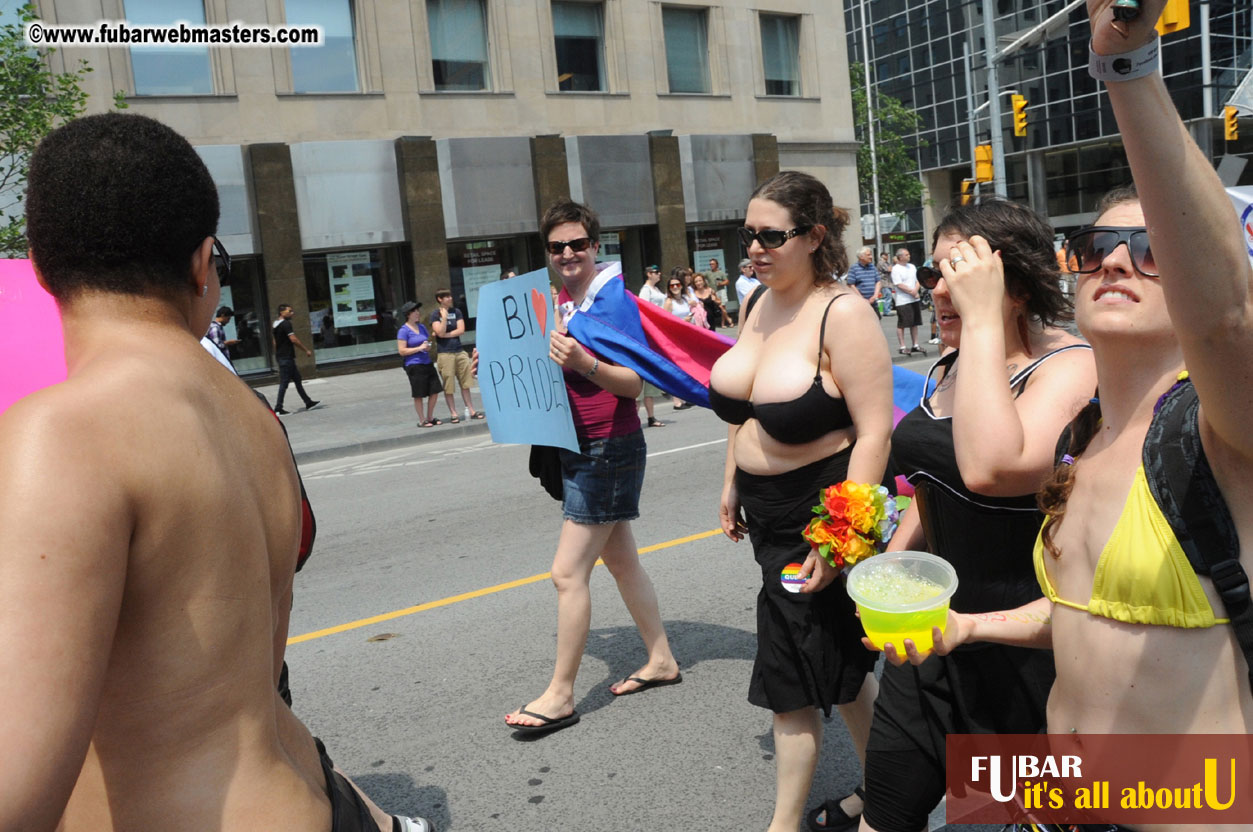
(855, 520)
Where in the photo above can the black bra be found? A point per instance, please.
(809, 416)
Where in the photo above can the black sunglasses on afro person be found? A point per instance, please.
(769, 237)
(223, 262)
(1088, 247)
(557, 247)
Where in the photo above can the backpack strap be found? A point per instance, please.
(1183, 484)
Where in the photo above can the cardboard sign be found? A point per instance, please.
(32, 349)
(524, 394)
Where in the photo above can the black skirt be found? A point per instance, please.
(809, 650)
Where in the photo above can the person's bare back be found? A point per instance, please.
(150, 516)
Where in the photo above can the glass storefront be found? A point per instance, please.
(472, 264)
(251, 324)
(353, 297)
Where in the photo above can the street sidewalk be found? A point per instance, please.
(372, 411)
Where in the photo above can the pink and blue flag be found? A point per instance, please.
(671, 353)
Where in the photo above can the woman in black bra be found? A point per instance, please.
(807, 391)
(976, 451)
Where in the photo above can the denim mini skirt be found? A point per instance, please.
(603, 481)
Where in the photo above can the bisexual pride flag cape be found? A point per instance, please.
(664, 349)
(672, 354)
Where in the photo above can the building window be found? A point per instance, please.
(169, 70)
(353, 297)
(331, 67)
(780, 51)
(579, 35)
(458, 43)
(687, 48)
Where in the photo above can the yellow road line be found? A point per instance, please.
(478, 593)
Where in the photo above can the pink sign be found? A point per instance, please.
(32, 349)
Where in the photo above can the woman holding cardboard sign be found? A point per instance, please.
(601, 487)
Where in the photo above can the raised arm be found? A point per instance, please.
(64, 541)
(1004, 444)
(1194, 235)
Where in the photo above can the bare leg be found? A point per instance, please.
(577, 550)
(452, 404)
(430, 406)
(857, 716)
(383, 819)
(623, 561)
(417, 406)
(797, 741)
(648, 407)
(465, 397)
(900, 336)
(913, 334)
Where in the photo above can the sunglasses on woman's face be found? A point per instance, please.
(769, 237)
(1087, 248)
(558, 247)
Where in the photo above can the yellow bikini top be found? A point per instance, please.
(1143, 575)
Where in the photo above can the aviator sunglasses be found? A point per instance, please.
(1087, 248)
(769, 237)
(556, 247)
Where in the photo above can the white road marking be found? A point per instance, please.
(687, 448)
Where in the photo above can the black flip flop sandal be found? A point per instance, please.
(645, 684)
(551, 723)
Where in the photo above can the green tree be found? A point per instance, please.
(33, 101)
(899, 186)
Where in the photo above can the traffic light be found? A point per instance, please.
(1231, 124)
(1174, 17)
(983, 163)
(1020, 115)
(968, 191)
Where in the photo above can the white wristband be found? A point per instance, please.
(1126, 66)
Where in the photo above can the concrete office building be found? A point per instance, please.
(416, 148)
(1072, 153)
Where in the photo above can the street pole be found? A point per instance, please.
(874, 156)
(994, 99)
(970, 107)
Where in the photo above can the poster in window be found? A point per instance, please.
(708, 247)
(352, 288)
(610, 246)
(480, 266)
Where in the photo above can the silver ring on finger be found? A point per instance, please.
(955, 259)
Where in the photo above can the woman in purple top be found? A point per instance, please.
(414, 345)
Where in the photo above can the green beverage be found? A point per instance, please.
(902, 595)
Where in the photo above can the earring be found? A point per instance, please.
(204, 290)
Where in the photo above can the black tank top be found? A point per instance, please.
(987, 539)
(809, 416)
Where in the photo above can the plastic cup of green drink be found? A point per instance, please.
(902, 595)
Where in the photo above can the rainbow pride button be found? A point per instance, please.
(791, 577)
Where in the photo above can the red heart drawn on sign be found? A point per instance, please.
(540, 304)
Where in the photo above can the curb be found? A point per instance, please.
(423, 437)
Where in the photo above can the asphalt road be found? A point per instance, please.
(412, 706)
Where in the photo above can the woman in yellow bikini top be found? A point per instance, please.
(1143, 575)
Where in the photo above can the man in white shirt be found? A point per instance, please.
(746, 282)
(908, 309)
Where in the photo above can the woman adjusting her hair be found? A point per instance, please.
(803, 390)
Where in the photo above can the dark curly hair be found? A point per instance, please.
(117, 203)
(809, 203)
(1025, 240)
(567, 210)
